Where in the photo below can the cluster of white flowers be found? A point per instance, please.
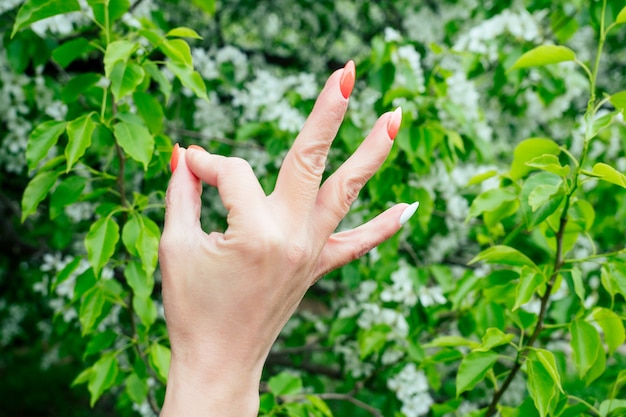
(264, 99)
(10, 326)
(402, 289)
(411, 388)
(64, 24)
(407, 54)
(53, 263)
(7, 5)
(479, 39)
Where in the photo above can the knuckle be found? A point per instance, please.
(298, 254)
(238, 164)
(311, 161)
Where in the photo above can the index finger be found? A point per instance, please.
(301, 172)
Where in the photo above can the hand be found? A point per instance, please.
(228, 295)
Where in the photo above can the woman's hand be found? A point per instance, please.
(228, 295)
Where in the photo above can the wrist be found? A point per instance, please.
(197, 388)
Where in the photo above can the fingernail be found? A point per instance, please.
(196, 147)
(393, 124)
(408, 212)
(174, 159)
(346, 84)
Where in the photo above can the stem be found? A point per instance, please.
(344, 397)
(558, 260)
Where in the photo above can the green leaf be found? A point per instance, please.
(100, 342)
(160, 357)
(183, 32)
(473, 369)
(82, 378)
(341, 326)
(577, 282)
(136, 141)
(79, 138)
(550, 163)
(164, 85)
(529, 282)
(118, 51)
(91, 309)
(285, 383)
(479, 178)
(116, 9)
(506, 255)
(130, 232)
(541, 387)
(136, 388)
(208, 6)
(320, 405)
(545, 208)
(452, 341)
(372, 340)
(148, 245)
(100, 242)
(609, 174)
(36, 191)
(42, 138)
(77, 85)
(67, 53)
(66, 272)
(546, 358)
(619, 382)
(600, 124)
(178, 51)
(103, 375)
(618, 100)
(125, 77)
(585, 344)
(35, 10)
(150, 110)
(494, 337)
(544, 55)
(528, 150)
(621, 16)
(490, 200)
(541, 195)
(612, 408)
(141, 283)
(67, 192)
(612, 327)
(190, 79)
(145, 309)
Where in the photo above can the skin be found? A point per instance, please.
(228, 295)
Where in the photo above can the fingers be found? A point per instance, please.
(182, 199)
(342, 188)
(344, 247)
(234, 179)
(301, 172)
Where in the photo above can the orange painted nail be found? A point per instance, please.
(346, 84)
(174, 159)
(393, 124)
(196, 147)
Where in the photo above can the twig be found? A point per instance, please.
(345, 397)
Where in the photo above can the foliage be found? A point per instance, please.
(505, 295)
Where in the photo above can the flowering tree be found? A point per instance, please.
(505, 296)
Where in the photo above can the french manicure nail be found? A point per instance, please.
(393, 124)
(196, 147)
(408, 212)
(346, 84)
(174, 159)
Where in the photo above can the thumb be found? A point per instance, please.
(182, 199)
